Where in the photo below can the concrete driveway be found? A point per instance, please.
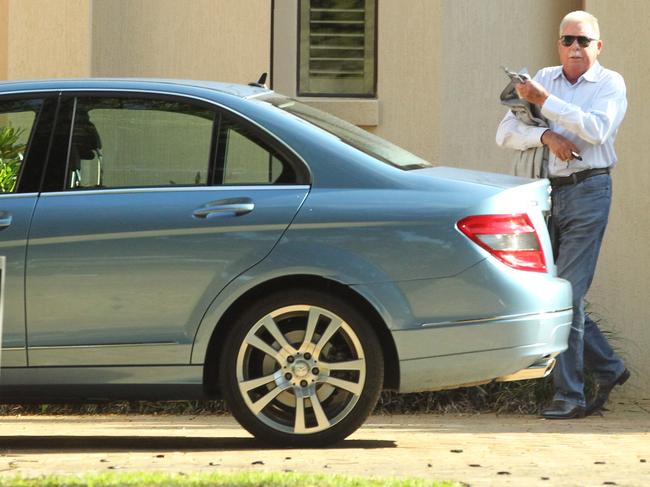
(475, 449)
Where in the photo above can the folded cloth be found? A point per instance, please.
(533, 162)
(526, 112)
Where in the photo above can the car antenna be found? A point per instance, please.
(260, 82)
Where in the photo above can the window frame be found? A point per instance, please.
(38, 142)
(327, 94)
(55, 177)
(264, 140)
(54, 173)
(141, 96)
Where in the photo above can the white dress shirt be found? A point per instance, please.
(588, 113)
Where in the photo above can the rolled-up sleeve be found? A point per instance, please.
(513, 134)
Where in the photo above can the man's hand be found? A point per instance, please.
(532, 92)
(559, 145)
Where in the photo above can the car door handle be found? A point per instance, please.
(229, 206)
(5, 219)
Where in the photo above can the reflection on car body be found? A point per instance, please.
(183, 240)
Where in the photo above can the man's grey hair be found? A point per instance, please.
(581, 16)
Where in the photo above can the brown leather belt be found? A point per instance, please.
(576, 177)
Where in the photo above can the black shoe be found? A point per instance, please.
(563, 410)
(602, 393)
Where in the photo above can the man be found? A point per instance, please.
(584, 104)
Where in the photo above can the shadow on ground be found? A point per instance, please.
(90, 444)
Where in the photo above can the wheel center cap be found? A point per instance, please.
(300, 368)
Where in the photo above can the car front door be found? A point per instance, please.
(156, 205)
(25, 127)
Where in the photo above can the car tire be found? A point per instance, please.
(301, 368)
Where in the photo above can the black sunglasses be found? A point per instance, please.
(583, 41)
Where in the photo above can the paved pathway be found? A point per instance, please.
(475, 449)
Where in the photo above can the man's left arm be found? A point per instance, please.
(594, 124)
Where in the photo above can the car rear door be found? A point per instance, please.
(151, 205)
(25, 127)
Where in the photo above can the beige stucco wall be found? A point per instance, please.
(48, 39)
(620, 290)
(225, 40)
(4, 10)
(409, 74)
(479, 37)
(438, 71)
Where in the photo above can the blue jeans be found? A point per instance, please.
(579, 217)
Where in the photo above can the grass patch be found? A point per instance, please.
(245, 479)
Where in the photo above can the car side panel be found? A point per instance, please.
(86, 384)
(399, 234)
(101, 274)
(427, 290)
(341, 235)
(13, 244)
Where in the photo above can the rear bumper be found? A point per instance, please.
(449, 355)
(538, 370)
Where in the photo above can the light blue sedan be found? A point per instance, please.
(182, 240)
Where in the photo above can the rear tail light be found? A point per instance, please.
(510, 238)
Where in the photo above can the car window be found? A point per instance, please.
(350, 134)
(246, 159)
(16, 123)
(129, 142)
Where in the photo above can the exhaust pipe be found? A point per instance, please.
(538, 370)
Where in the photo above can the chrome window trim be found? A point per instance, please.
(172, 189)
(167, 93)
(17, 195)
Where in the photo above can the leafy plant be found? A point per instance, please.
(11, 157)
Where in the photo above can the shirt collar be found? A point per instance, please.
(592, 74)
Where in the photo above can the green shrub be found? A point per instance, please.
(11, 157)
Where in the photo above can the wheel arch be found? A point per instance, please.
(317, 283)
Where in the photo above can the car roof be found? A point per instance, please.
(307, 141)
(153, 84)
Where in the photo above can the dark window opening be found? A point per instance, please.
(337, 47)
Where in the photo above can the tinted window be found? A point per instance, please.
(126, 142)
(350, 134)
(245, 159)
(16, 123)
